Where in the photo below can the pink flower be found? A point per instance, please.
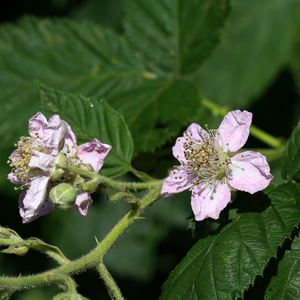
(33, 163)
(207, 167)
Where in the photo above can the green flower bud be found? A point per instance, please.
(90, 186)
(63, 196)
(21, 250)
(61, 162)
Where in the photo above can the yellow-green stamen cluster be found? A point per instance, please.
(19, 162)
(205, 157)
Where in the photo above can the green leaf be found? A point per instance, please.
(255, 45)
(286, 284)
(155, 110)
(222, 266)
(290, 162)
(174, 36)
(90, 60)
(78, 57)
(90, 118)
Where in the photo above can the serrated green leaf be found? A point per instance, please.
(222, 266)
(255, 45)
(290, 162)
(286, 284)
(156, 109)
(90, 60)
(174, 36)
(91, 119)
(77, 57)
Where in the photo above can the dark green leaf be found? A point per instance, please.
(89, 119)
(156, 109)
(84, 58)
(286, 284)
(255, 45)
(76, 57)
(290, 162)
(174, 36)
(222, 266)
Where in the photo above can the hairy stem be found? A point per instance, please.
(111, 285)
(93, 258)
(118, 185)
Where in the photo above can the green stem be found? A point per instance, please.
(265, 137)
(93, 258)
(256, 132)
(111, 284)
(113, 183)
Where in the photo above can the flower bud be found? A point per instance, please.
(91, 186)
(63, 196)
(61, 162)
(21, 250)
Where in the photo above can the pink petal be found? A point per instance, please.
(178, 150)
(54, 134)
(193, 133)
(83, 203)
(208, 200)
(42, 161)
(94, 153)
(249, 172)
(70, 146)
(12, 177)
(235, 129)
(37, 124)
(31, 200)
(176, 182)
(15, 155)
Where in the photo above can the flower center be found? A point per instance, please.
(22, 155)
(205, 157)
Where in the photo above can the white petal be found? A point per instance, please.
(42, 161)
(249, 172)
(54, 134)
(208, 200)
(31, 200)
(235, 129)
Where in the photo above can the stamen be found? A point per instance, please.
(206, 158)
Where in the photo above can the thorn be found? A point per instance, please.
(141, 218)
(129, 232)
(96, 240)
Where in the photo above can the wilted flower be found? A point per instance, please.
(38, 164)
(208, 168)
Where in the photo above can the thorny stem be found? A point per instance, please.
(93, 258)
(256, 132)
